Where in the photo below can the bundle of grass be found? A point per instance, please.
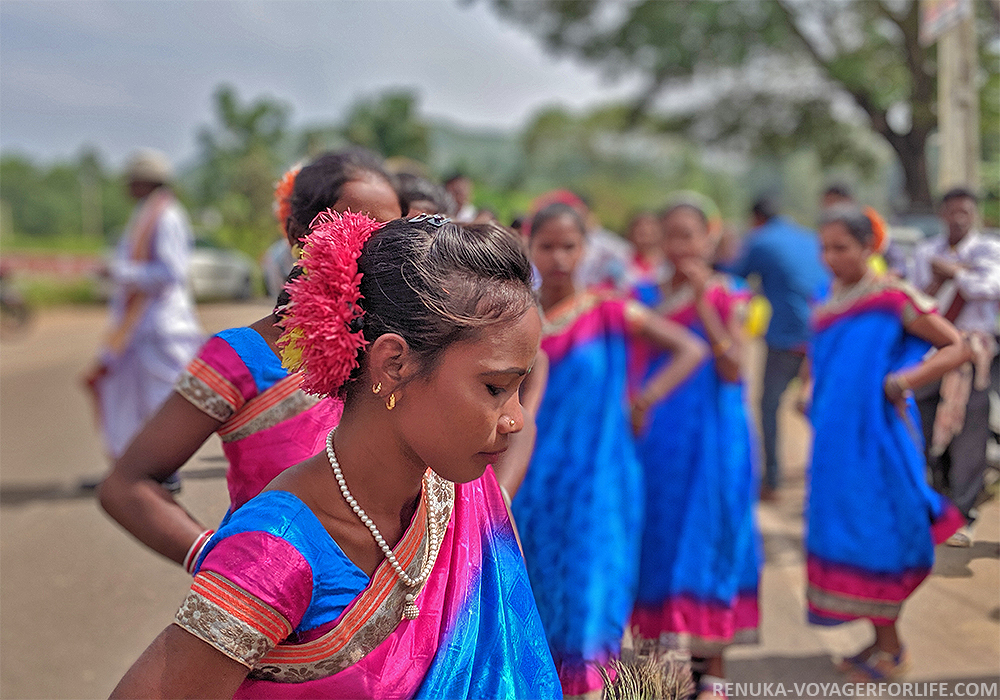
(647, 671)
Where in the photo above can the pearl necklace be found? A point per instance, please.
(410, 609)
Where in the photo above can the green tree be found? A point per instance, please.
(618, 171)
(771, 75)
(241, 159)
(65, 200)
(390, 125)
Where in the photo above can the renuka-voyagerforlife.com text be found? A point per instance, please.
(937, 689)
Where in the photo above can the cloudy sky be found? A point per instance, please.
(121, 74)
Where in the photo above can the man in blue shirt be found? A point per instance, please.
(786, 257)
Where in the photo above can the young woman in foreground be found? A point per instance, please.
(386, 566)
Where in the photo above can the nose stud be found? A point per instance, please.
(511, 421)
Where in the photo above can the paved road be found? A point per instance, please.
(79, 599)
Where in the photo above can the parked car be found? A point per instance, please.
(221, 273)
(215, 274)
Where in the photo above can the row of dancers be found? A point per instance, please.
(380, 421)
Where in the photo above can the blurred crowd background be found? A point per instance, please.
(729, 99)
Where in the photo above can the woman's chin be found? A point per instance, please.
(463, 474)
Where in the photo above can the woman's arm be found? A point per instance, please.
(725, 338)
(533, 387)
(687, 351)
(952, 350)
(179, 665)
(132, 493)
(513, 464)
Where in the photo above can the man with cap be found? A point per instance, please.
(154, 332)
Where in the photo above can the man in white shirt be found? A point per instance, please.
(961, 269)
(154, 328)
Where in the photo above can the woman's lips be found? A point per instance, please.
(493, 455)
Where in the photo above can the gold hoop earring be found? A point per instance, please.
(391, 403)
(376, 388)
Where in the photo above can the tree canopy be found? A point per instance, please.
(389, 125)
(767, 76)
(241, 156)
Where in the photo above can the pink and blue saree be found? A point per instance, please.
(579, 510)
(275, 592)
(268, 423)
(701, 548)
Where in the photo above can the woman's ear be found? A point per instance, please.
(390, 360)
(294, 232)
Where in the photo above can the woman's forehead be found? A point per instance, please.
(504, 345)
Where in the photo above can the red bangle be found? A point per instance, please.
(193, 554)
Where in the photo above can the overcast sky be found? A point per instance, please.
(117, 75)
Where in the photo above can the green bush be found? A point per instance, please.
(50, 291)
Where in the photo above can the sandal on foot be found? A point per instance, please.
(880, 666)
(847, 663)
(961, 538)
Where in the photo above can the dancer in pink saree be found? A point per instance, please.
(386, 566)
(237, 388)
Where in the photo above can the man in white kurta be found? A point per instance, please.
(154, 331)
(961, 268)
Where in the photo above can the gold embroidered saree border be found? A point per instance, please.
(873, 283)
(206, 388)
(566, 312)
(279, 403)
(232, 620)
(213, 394)
(848, 605)
(374, 614)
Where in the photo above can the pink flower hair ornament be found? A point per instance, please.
(321, 335)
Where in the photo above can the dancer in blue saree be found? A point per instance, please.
(579, 510)
(701, 549)
(872, 518)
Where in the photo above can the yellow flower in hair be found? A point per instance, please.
(291, 350)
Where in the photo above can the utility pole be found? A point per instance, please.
(952, 24)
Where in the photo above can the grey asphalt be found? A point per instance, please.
(80, 599)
